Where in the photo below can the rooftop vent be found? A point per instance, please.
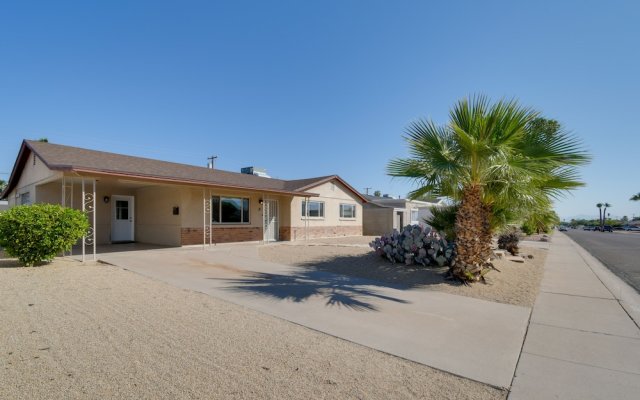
(261, 172)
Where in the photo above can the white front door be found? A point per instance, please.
(122, 219)
(270, 227)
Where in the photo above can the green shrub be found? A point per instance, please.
(39, 232)
(528, 228)
(443, 220)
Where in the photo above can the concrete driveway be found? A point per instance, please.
(477, 339)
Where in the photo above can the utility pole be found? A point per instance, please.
(212, 162)
(367, 190)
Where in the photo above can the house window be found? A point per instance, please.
(316, 209)
(414, 216)
(229, 210)
(347, 211)
(25, 198)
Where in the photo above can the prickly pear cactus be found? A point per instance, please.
(415, 245)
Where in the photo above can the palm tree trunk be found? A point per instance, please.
(600, 210)
(473, 236)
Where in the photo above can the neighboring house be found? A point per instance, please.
(158, 202)
(4, 205)
(383, 214)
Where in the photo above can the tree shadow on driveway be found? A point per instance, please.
(337, 290)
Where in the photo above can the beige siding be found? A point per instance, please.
(155, 221)
(192, 201)
(32, 175)
(332, 194)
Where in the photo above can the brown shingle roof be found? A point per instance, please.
(68, 158)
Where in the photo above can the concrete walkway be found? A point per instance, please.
(477, 339)
(582, 341)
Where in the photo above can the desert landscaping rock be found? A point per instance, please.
(512, 285)
(113, 334)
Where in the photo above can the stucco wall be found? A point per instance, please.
(32, 175)
(192, 215)
(332, 194)
(155, 221)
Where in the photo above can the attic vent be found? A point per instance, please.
(261, 172)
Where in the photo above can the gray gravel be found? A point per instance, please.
(83, 332)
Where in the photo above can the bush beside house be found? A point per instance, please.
(37, 233)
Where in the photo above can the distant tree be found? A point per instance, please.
(604, 215)
(599, 205)
(3, 184)
(635, 197)
(546, 127)
(377, 193)
(43, 139)
(624, 219)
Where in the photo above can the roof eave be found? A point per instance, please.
(342, 181)
(179, 181)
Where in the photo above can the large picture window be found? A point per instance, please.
(316, 209)
(347, 211)
(229, 210)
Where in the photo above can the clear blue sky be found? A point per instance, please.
(309, 88)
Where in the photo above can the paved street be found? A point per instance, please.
(619, 251)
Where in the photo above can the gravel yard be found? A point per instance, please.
(70, 331)
(516, 283)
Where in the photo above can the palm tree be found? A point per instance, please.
(604, 215)
(599, 205)
(635, 197)
(492, 165)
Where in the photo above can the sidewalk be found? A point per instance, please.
(581, 342)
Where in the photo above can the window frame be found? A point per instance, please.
(26, 195)
(305, 208)
(242, 210)
(341, 212)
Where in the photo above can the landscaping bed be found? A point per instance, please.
(516, 283)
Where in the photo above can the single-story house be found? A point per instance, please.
(151, 201)
(382, 214)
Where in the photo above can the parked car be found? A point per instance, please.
(631, 228)
(608, 228)
(588, 228)
(563, 229)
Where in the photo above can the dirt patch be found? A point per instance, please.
(515, 283)
(73, 331)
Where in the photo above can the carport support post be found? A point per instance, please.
(89, 207)
(67, 191)
(207, 228)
